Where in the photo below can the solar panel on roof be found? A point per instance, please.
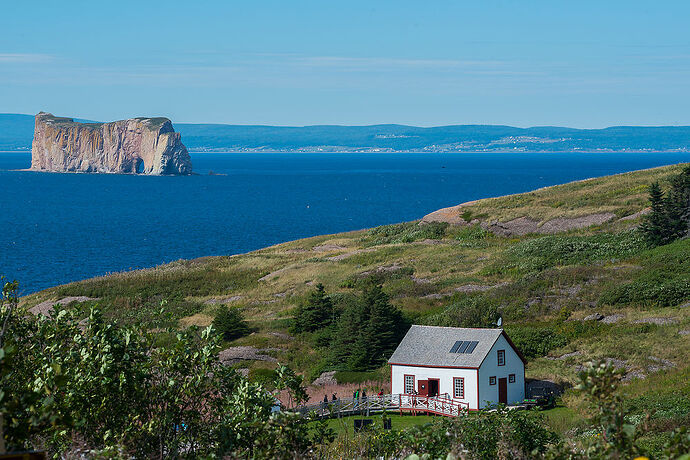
(463, 347)
(455, 347)
(471, 347)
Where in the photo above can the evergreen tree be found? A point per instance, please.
(655, 224)
(230, 323)
(669, 218)
(385, 328)
(316, 313)
(348, 350)
(368, 331)
(677, 204)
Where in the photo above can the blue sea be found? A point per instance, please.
(56, 228)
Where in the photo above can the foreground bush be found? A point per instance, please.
(69, 384)
(482, 435)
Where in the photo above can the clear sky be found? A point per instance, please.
(289, 62)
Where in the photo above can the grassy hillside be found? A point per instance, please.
(542, 285)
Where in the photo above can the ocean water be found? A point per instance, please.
(56, 228)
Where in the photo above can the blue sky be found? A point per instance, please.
(523, 63)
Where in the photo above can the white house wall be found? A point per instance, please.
(445, 384)
(490, 368)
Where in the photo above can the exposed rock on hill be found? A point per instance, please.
(522, 225)
(46, 307)
(137, 146)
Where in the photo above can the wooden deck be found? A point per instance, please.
(439, 405)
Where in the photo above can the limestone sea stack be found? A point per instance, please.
(134, 146)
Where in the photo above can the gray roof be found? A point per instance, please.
(430, 346)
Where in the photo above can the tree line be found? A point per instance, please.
(360, 332)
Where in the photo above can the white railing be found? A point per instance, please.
(441, 405)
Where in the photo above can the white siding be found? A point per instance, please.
(490, 368)
(445, 384)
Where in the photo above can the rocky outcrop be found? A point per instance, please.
(521, 225)
(134, 146)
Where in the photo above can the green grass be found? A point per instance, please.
(562, 419)
(662, 282)
(621, 194)
(553, 250)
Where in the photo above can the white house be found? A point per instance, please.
(477, 367)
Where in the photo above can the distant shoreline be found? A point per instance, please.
(193, 151)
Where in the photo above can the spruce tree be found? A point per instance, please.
(677, 204)
(348, 350)
(385, 328)
(230, 323)
(669, 218)
(316, 313)
(655, 224)
(368, 331)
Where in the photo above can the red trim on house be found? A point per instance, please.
(463, 387)
(428, 365)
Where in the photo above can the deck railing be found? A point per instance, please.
(440, 405)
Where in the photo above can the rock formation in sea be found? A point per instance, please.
(135, 146)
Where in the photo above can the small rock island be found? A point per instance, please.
(135, 146)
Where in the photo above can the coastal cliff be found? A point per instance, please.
(135, 146)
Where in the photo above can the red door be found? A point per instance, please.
(423, 387)
(503, 390)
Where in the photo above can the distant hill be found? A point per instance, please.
(16, 132)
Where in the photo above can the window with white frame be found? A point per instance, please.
(459, 387)
(492, 380)
(511, 378)
(409, 384)
(501, 357)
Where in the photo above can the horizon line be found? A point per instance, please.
(501, 125)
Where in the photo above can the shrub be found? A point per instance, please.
(263, 376)
(472, 236)
(405, 233)
(469, 311)
(484, 435)
(230, 323)
(100, 387)
(361, 280)
(662, 282)
(548, 251)
(650, 290)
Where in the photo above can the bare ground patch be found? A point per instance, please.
(44, 308)
(234, 355)
(349, 254)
